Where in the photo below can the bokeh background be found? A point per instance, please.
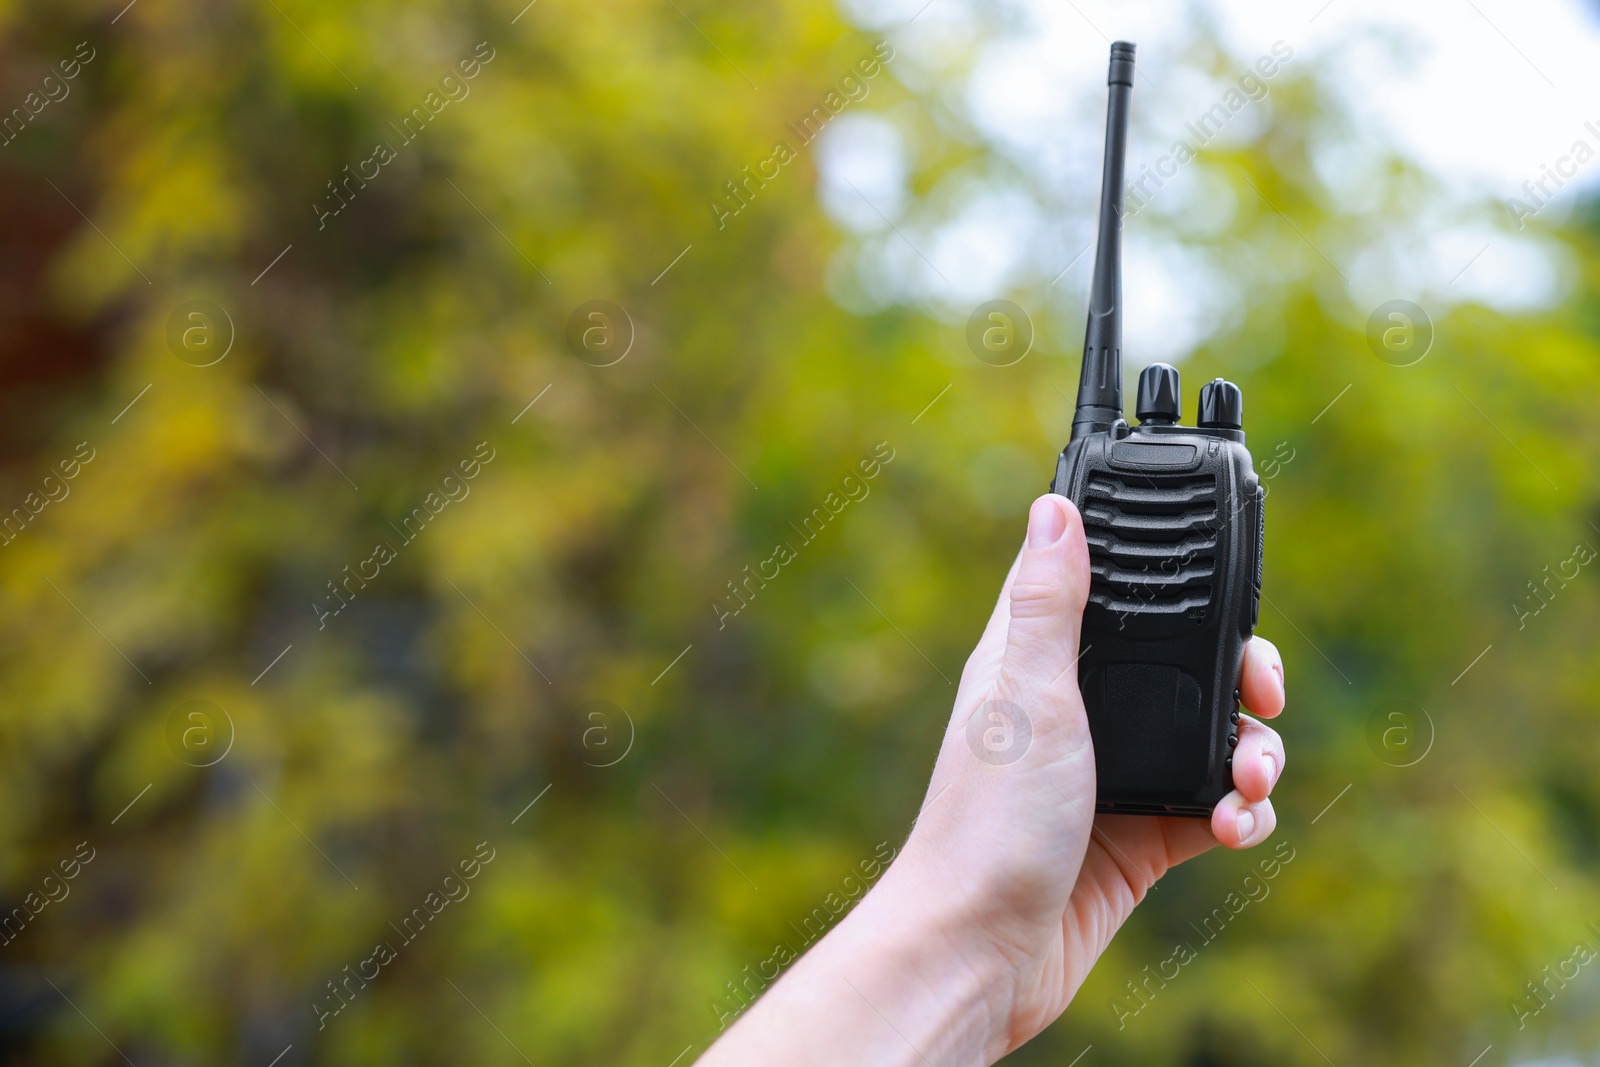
(241, 743)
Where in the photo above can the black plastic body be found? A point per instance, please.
(1174, 518)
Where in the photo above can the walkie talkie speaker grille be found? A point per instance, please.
(1152, 547)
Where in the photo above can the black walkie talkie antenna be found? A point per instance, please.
(1100, 384)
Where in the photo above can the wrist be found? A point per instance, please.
(898, 983)
(921, 920)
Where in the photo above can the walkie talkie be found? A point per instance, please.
(1174, 520)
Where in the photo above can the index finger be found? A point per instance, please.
(1261, 679)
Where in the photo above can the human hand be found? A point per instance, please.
(1013, 834)
(1009, 887)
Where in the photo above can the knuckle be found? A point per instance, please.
(1036, 599)
(1252, 725)
(1265, 815)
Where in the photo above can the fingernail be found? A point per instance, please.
(1283, 692)
(1046, 523)
(1271, 763)
(1247, 823)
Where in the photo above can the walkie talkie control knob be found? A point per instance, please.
(1158, 401)
(1221, 405)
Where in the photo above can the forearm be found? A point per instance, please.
(893, 984)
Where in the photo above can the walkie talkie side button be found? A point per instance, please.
(1261, 537)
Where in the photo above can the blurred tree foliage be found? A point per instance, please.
(557, 611)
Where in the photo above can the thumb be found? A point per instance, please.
(1047, 597)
